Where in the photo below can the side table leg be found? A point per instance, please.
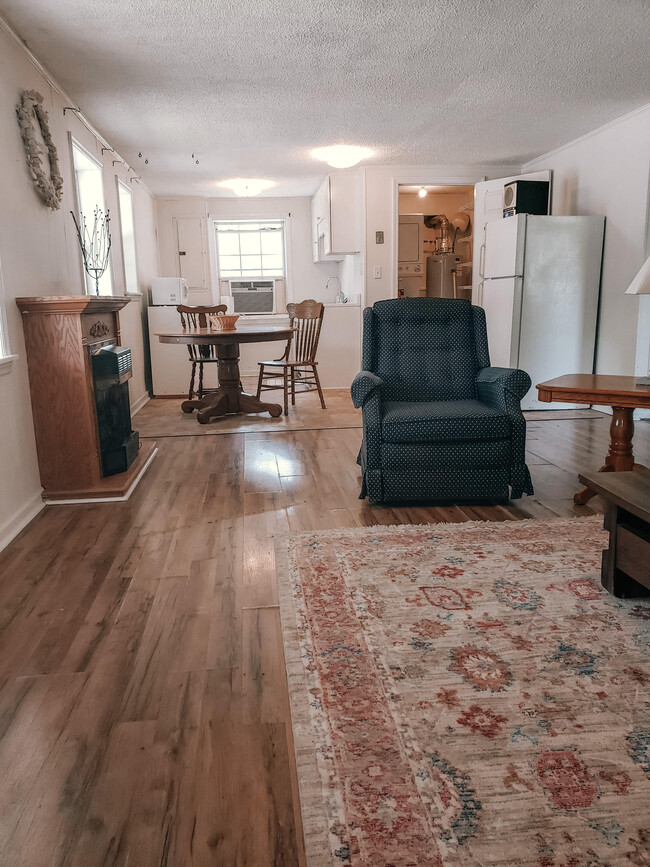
(620, 457)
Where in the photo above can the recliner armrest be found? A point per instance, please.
(517, 382)
(363, 386)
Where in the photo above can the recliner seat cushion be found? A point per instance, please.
(442, 421)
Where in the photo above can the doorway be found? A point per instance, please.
(434, 241)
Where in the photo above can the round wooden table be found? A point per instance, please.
(229, 398)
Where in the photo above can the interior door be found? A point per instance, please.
(191, 252)
(488, 205)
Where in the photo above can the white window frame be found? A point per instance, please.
(6, 356)
(89, 281)
(123, 188)
(283, 220)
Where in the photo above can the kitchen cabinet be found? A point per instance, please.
(336, 218)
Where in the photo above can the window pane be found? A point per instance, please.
(228, 243)
(128, 239)
(271, 242)
(274, 262)
(250, 243)
(229, 263)
(90, 198)
(250, 263)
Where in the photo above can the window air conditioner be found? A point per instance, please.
(253, 296)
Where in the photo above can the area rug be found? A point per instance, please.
(163, 417)
(466, 695)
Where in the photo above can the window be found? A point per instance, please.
(90, 196)
(5, 353)
(128, 237)
(250, 248)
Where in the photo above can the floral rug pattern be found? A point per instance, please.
(466, 695)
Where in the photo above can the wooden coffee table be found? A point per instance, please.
(622, 394)
(626, 563)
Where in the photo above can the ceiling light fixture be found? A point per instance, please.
(422, 192)
(342, 156)
(247, 186)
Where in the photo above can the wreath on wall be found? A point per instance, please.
(49, 185)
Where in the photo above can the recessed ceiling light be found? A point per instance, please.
(342, 156)
(247, 186)
(422, 192)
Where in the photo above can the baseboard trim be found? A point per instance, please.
(10, 529)
(139, 403)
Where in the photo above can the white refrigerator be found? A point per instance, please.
(540, 288)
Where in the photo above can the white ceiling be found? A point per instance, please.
(250, 86)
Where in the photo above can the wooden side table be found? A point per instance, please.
(623, 395)
(626, 563)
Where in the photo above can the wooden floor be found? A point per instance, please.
(143, 704)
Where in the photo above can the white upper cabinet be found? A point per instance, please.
(336, 217)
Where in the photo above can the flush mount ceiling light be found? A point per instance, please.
(342, 156)
(247, 186)
(422, 192)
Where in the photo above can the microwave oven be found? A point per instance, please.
(168, 291)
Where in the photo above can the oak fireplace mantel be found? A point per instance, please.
(61, 334)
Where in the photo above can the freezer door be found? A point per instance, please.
(560, 299)
(504, 247)
(502, 305)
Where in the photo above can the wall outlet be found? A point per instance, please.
(379, 237)
(377, 272)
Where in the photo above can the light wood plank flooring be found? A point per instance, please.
(143, 704)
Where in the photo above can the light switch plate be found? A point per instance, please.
(377, 272)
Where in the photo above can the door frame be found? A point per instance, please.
(417, 180)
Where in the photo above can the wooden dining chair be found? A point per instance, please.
(298, 364)
(193, 318)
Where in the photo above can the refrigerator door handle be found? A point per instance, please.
(479, 293)
(481, 261)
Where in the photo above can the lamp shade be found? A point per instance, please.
(641, 283)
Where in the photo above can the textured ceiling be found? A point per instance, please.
(252, 86)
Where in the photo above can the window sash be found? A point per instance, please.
(89, 185)
(5, 351)
(245, 248)
(129, 249)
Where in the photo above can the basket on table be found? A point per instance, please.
(223, 321)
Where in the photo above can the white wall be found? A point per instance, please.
(606, 173)
(40, 256)
(304, 278)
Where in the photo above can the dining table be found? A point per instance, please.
(229, 398)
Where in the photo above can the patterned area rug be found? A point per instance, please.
(466, 695)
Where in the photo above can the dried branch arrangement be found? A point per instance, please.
(95, 244)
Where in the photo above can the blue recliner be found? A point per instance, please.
(438, 422)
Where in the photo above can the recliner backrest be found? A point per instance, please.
(422, 348)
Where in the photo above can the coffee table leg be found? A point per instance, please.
(620, 457)
(585, 494)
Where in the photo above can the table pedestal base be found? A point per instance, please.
(620, 457)
(228, 399)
